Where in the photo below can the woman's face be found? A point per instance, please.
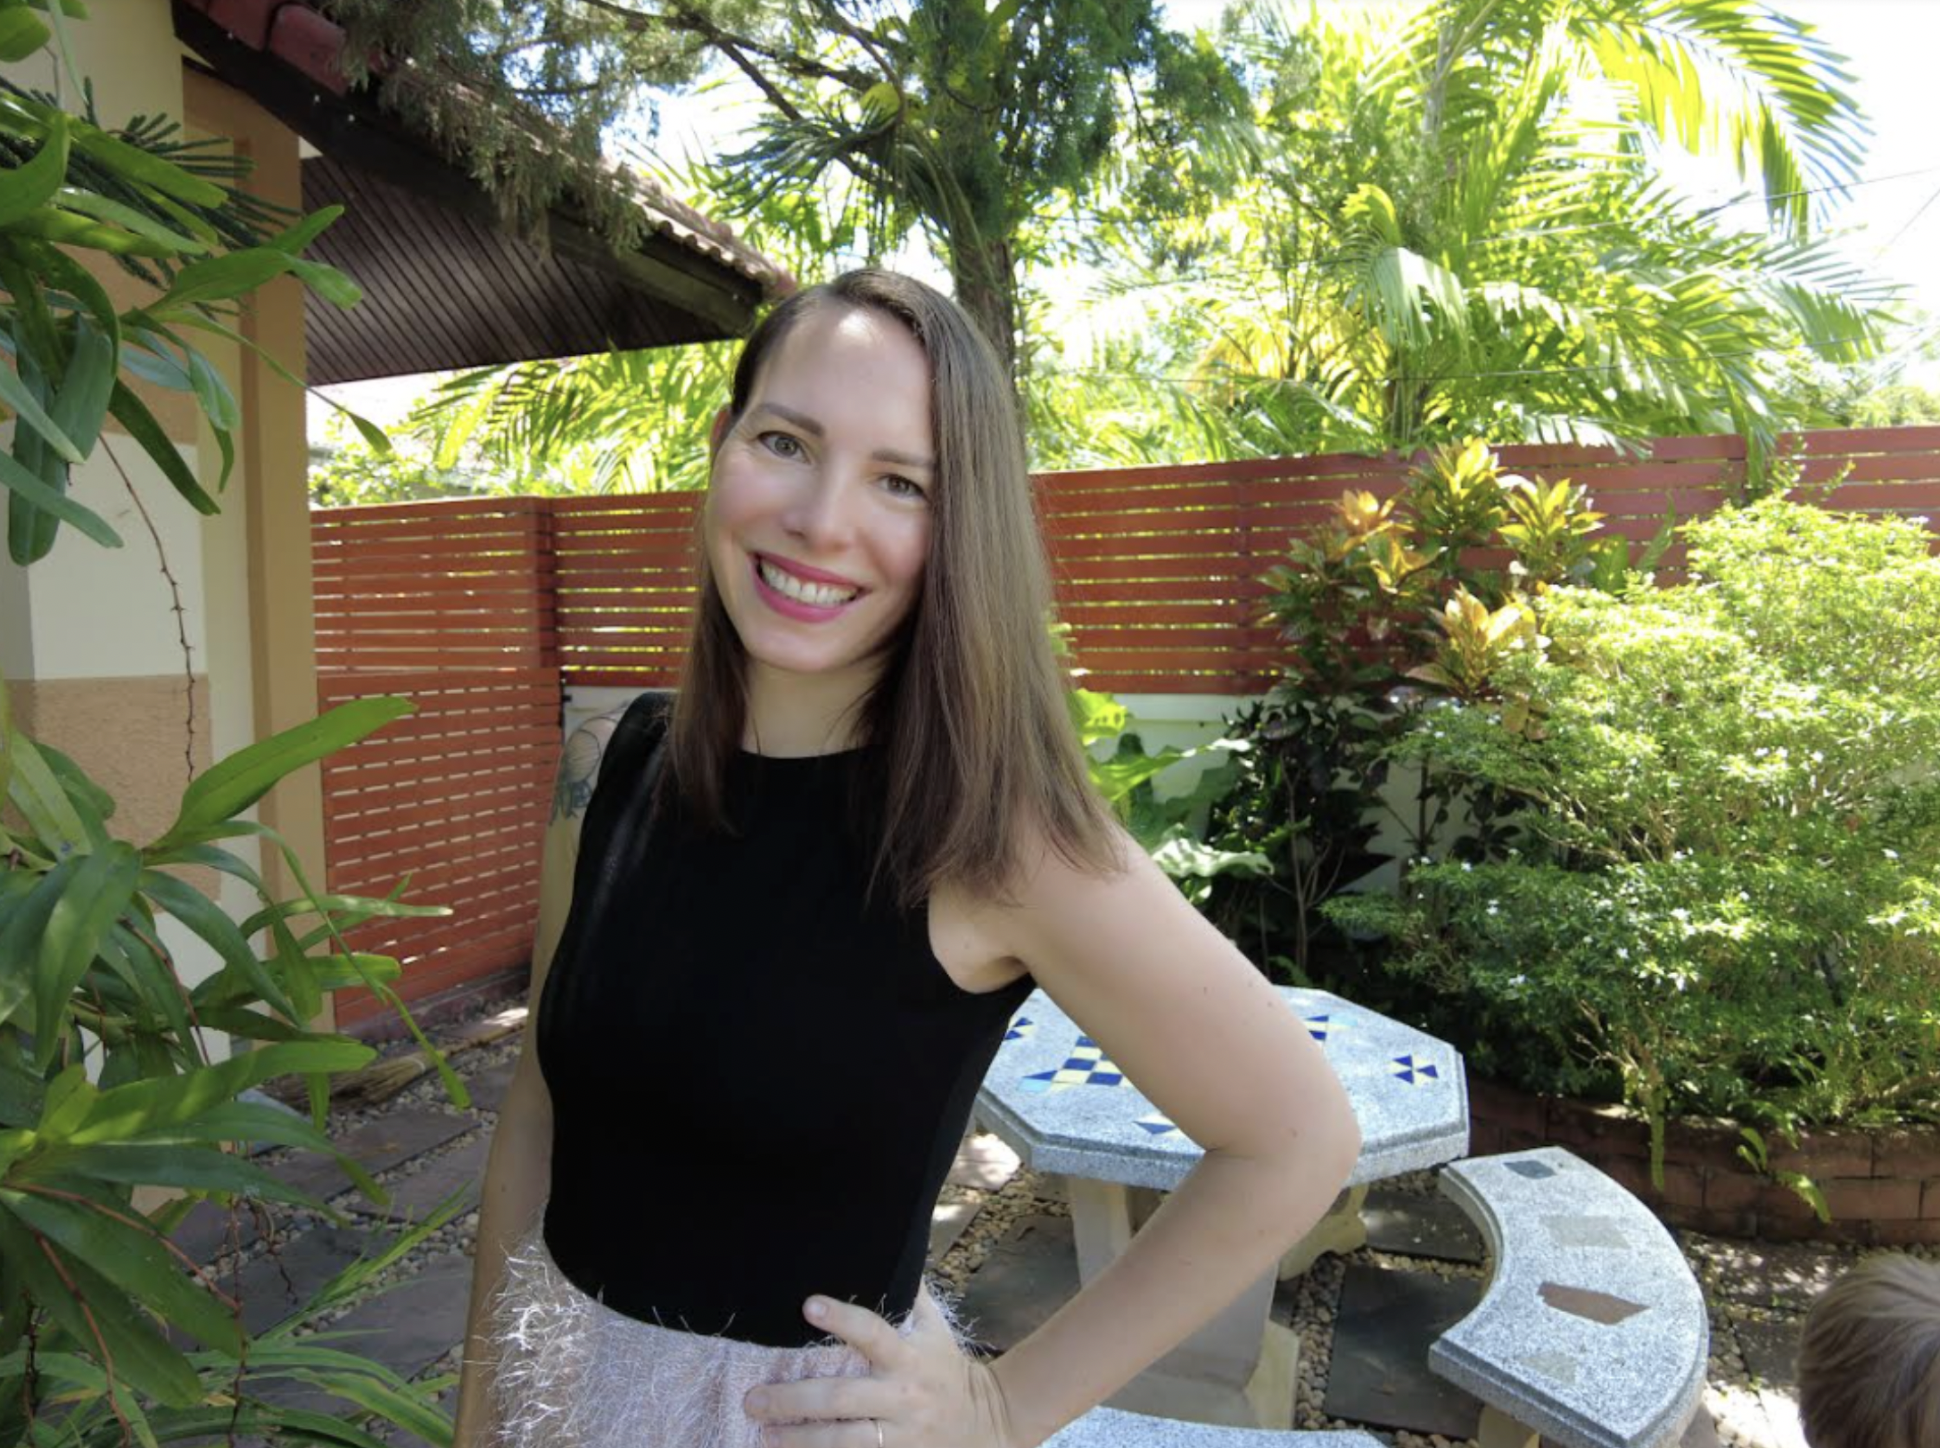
(818, 517)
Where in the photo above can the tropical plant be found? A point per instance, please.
(1457, 226)
(1715, 888)
(1384, 609)
(158, 207)
(106, 1083)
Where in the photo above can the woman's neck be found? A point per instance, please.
(792, 715)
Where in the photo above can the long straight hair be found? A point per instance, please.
(967, 743)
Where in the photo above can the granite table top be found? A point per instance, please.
(1061, 1104)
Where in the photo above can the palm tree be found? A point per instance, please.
(1459, 225)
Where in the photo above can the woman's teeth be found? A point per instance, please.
(824, 595)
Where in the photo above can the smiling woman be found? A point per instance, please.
(808, 904)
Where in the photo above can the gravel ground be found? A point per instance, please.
(1745, 1283)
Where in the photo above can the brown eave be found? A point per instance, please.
(446, 286)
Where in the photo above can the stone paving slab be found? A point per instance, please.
(1771, 1351)
(1413, 1225)
(377, 1146)
(407, 1329)
(308, 1261)
(1028, 1276)
(413, 1197)
(1379, 1374)
(412, 1325)
(204, 1232)
(488, 1087)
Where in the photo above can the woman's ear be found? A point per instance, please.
(721, 422)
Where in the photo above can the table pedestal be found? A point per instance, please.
(1341, 1231)
(1230, 1371)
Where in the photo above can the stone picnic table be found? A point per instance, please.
(1054, 1097)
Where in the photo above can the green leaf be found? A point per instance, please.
(222, 278)
(20, 34)
(35, 790)
(146, 1107)
(21, 1091)
(14, 392)
(209, 921)
(82, 402)
(37, 493)
(133, 1259)
(69, 1096)
(364, 907)
(27, 188)
(91, 900)
(22, 925)
(213, 393)
(91, 802)
(101, 208)
(297, 237)
(141, 1357)
(200, 1169)
(133, 414)
(327, 282)
(144, 168)
(247, 775)
(63, 271)
(245, 1121)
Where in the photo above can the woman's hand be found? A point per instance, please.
(922, 1390)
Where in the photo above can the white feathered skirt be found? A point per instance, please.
(573, 1373)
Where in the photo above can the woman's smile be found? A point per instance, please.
(791, 590)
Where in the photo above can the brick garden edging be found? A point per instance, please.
(1882, 1186)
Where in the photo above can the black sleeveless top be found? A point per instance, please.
(758, 1084)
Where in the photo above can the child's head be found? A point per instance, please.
(1869, 1359)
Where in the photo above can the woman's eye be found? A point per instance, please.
(903, 487)
(782, 444)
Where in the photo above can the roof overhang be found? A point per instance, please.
(445, 284)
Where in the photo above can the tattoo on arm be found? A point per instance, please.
(579, 766)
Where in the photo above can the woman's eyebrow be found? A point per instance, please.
(815, 429)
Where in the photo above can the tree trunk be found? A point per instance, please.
(986, 283)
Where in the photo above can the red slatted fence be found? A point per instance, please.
(451, 605)
(482, 611)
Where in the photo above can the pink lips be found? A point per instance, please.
(810, 575)
(793, 607)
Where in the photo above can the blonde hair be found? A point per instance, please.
(1869, 1358)
(966, 733)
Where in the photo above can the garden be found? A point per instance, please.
(1640, 812)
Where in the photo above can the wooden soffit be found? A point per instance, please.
(445, 285)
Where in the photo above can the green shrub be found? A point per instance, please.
(1718, 888)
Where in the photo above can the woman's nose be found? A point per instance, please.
(819, 514)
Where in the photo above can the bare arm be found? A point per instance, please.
(517, 1172)
(1213, 1046)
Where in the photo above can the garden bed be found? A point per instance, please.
(1882, 1186)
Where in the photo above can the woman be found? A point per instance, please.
(869, 835)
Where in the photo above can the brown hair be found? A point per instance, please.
(966, 732)
(1869, 1358)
